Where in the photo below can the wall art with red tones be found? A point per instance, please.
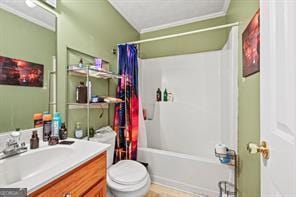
(20, 72)
(251, 46)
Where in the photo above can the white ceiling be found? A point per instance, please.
(152, 15)
(36, 15)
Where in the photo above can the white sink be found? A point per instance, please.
(28, 164)
(36, 168)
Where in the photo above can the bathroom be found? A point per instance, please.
(132, 98)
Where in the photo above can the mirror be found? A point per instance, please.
(27, 55)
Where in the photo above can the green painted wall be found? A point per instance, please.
(95, 28)
(22, 39)
(249, 105)
(248, 123)
(206, 41)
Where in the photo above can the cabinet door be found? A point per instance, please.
(98, 190)
(78, 181)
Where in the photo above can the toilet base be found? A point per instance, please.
(109, 194)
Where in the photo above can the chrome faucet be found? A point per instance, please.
(13, 146)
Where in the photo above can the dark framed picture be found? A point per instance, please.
(251, 46)
(20, 72)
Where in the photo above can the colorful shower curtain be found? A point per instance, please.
(127, 114)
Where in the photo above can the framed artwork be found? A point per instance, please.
(20, 72)
(251, 46)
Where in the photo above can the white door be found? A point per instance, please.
(278, 96)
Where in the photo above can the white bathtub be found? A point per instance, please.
(185, 172)
(179, 137)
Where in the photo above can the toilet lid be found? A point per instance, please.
(127, 172)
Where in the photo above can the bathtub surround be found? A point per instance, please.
(248, 122)
(211, 117)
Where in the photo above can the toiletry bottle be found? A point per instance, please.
(165, 95)
(47, 126)
(53, 140)
(98, 63)
(91, 132)
(34, 141)
(145, 113)
(158, 95)
(78, 131)
(80, 63)
(170, 97)
(38, 120)
(56, 124)
(81, 93)
(63, 132)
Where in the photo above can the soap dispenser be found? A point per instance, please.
(34, 141)
(78, 131)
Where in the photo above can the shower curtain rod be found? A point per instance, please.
(182, 34)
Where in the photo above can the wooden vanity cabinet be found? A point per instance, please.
(88, 179)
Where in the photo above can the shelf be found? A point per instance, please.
(104, 105)
(74, 70)
(85, 105)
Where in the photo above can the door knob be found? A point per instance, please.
(262, 148)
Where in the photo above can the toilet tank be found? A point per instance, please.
(106, 137)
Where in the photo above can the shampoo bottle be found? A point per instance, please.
(165, 95)
(47, 126)
(56, 124)
(63, 132)
(158, 95)
(81, 93)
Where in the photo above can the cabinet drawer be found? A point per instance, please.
(77, 181)
(98, 190)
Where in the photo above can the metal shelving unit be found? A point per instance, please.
(226, 188)
(75, 70)
(88, 71)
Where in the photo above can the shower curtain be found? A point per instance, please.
(126, 115)
(142, 137)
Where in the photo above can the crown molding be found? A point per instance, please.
(125, 16)
(223, 12)
(190, 20)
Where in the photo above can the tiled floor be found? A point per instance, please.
(162, 191)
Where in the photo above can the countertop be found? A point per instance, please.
(77, 153)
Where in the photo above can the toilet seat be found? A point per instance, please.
(127, 175)
(127, 172)
(127, 188)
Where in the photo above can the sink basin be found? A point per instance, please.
(21, 167)
(36, 168)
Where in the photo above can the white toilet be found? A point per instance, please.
(126, 178)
